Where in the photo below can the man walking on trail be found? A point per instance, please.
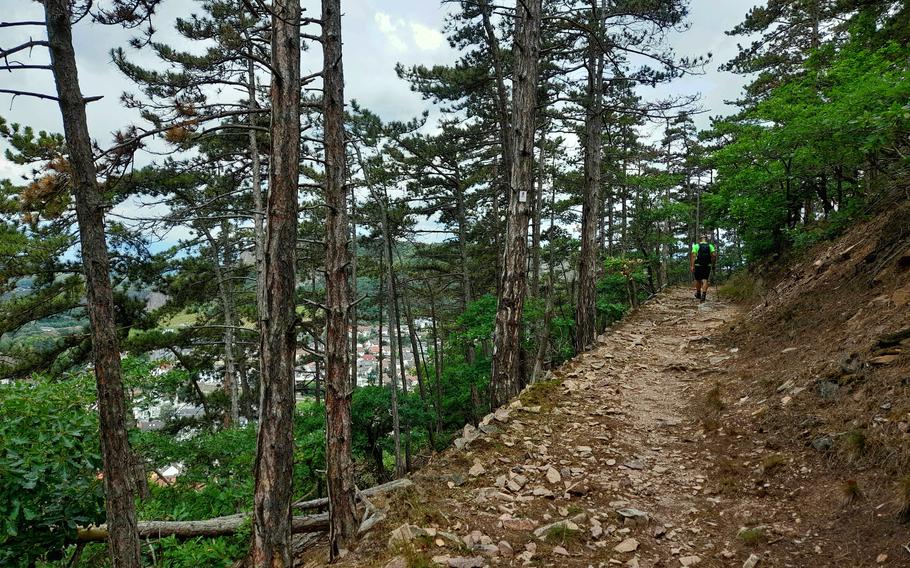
(701, 260)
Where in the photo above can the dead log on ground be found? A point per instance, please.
(369, 492)
(219, 526)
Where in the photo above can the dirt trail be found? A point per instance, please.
(636, 401)
(605, 466)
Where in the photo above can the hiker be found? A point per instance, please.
(701, 260)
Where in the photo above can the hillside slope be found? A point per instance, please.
(694, 435)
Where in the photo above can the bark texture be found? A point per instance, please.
(506, 377)
(123, 540)
(339, 466)
(271, 546)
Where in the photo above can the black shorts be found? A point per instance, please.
(702, 272)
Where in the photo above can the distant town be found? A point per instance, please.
(150, 416)
(368, 356)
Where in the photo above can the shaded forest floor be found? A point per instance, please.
(691, 435)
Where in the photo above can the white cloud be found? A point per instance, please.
(384, 21)
(390, 30)
(427, 39)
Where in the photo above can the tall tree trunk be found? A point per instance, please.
(258, 205)
(623, 238)
(271, 546)
(664, 232)
(506, 379)
(123, 542)
(543, 333)
(243, 380)
(415, 350)
(437, 358)
(586, 306)
(396, 313)
(339, 465)
(387, 275)
(228, 383)
(393, 381)
(466, 293)
(381, 303)
(502, 102)
(354, 350)
(822, 190)
(611, 217)
(535, 223)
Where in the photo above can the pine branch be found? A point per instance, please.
(27, 45)
(16, 93)
(20, 66)
(22, 23)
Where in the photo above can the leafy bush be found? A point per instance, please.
(49, 462)
(208, 552)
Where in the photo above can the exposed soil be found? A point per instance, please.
(711, 434)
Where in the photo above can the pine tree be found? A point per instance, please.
(507, 375)
(271, 545)
(340, 468)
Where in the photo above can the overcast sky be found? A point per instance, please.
(377, 35)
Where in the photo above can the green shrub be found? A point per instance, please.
(49, 462)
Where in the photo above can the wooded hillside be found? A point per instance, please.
(258, 291)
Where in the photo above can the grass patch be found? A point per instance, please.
(753, 536)
(564, 535)
(543, 394)
(180, 319)
(574, 510)
(855, 443)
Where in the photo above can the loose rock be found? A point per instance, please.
(628, 545)
(634, 516)
(553, 476)
(405, 534)
(465, 562)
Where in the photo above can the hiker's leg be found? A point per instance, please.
(698, 288)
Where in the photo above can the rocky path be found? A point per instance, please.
(607, 465)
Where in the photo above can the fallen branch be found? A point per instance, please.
(376, 490)
(219, 526)
(228, 525)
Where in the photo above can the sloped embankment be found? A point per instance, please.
(820, 386)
